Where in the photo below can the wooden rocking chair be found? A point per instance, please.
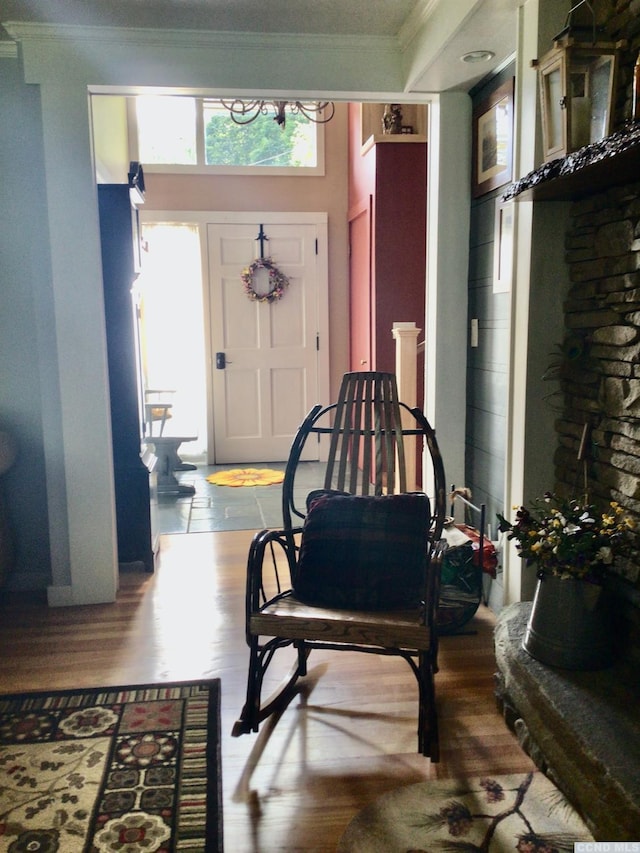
(356, 564)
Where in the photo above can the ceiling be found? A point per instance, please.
(479, 25)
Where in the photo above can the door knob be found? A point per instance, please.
(221, 361)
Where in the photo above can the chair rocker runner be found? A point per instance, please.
(356, 564)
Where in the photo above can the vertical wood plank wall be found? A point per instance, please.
(487, 364)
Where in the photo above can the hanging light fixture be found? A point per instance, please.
(244, 112)
(577, 85)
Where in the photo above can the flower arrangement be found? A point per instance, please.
(277, 281)
(571, 539)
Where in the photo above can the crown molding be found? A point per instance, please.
(8, 49)
(415, 21)
(137, 36)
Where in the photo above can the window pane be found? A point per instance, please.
(261, 142)
(166, 129)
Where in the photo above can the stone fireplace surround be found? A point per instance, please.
(583, 728)
(596, 372)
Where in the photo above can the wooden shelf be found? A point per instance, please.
(402, 138)
(611, 162)
(413, 115)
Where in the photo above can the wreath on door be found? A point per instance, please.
(278, 281)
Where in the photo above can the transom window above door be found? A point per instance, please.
(173, 133)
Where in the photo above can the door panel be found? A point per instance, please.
(271, 376)
(242, 415)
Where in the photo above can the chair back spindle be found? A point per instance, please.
(366, 449)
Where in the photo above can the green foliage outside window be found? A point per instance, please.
(167, 134)
(261, 143)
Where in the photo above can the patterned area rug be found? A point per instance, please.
(125, 769)
(496, 814)
(246, 477)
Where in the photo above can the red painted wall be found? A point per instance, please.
(392, 177)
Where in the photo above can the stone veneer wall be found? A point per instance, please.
(600, 366)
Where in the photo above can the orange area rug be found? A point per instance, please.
(247, 477)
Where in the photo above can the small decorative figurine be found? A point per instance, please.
(392, 119)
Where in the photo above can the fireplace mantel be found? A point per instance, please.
(609, 162)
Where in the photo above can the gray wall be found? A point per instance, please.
(25, 318)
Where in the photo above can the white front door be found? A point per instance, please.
(269, 362)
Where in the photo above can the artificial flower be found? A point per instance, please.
(568, 538)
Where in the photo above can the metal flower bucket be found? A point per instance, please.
(569, 625)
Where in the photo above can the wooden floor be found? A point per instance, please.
(349, 737)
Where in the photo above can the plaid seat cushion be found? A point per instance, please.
(365, 553)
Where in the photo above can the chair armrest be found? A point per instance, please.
(269, 578)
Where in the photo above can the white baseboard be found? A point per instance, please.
(60, 596)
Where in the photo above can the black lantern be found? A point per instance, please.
(577, 84)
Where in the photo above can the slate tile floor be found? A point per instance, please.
(221, 508)
(217, 508)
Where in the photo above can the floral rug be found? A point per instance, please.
(246, 477)
(125, 769)
(493, 814)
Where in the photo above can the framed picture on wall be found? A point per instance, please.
(493, 140)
